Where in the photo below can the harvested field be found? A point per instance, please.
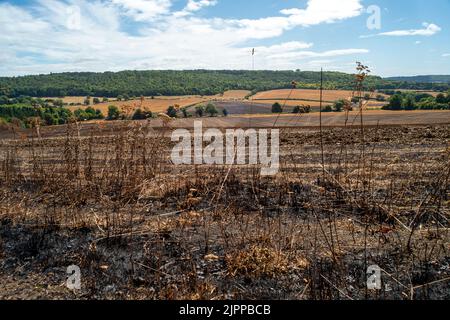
(78, 100)
(235, 94)
(304, 94)
(315, 105)
(159, 104)
(371, 119)
(141, 228)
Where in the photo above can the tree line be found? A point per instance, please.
(418, 101)
(195, 82)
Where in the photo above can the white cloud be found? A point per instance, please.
(142, 10)
(429, 29)
(446, 55)
(323, 11)
(312, 54)
(37, 40)
(284, 47)
(194, 5)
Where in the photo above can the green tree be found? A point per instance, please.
(99, 114)
(339, 105)
(277, 108)
(87, 101)
(80, 115)
(172, 112)
(409, 103)
(440, 98)
(395, 102)
(211, 109)
(327, 108)
(199, 111)
(225, 112)
(185, 112)
(139, 115)
(58, 103)
(4, 100)
(96, 100)
(297, 109)
(113, 113)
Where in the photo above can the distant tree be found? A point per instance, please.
(139, 115)
(367, 96)
(296, 109)
(119, 98)
(355, 99)
(277, 108)
(113, 113)
(199, 111)
(441, 98)
(380, 97)
(126, 97)
(305, 109)
(185, 112)
(99, 114)
(426, 103)
(96, 100)
(105, 100)
(327, 108)
(4, 100)
(396, 102)
(339, 105)
(211, 109)
(225, 112)
(420, 96)
(58, 103)
(80, 115)
(409, 103)
(87, 101)
(172, 112)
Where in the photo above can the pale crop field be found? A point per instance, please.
(304, 94)
(159, 104)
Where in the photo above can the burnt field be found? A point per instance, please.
(112, 203)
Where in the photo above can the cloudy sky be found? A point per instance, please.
(394, 37)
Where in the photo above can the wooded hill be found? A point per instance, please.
(175, 83)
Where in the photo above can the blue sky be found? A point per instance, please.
(394, 37)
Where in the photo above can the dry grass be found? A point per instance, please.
(142, 228)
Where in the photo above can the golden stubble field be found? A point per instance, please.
(159, 103)
(304, 94)
(309, 97)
